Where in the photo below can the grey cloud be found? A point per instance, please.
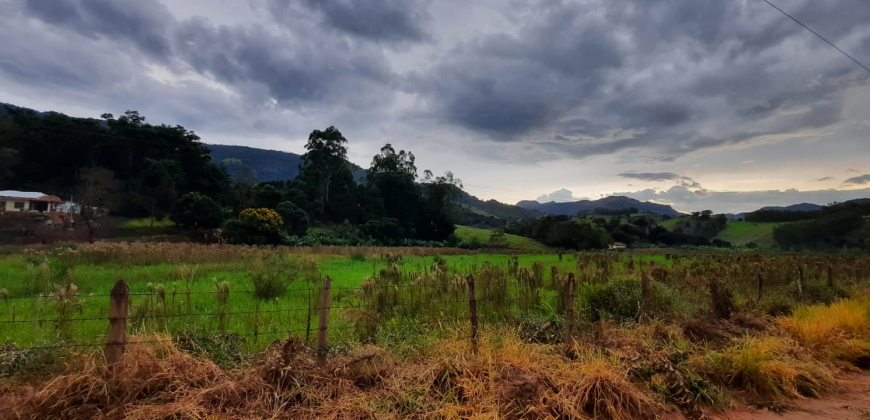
(559, 196)
(509, 84)
(377, 20)
(652, 176)
(858, 180)
(143, 22)
(852, 171)
(824, 178)
(297, 72)
(680, 180)
(684, 199)
(523, 85)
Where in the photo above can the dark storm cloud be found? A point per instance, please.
(509, 84)
(678, 179)
(652, 176)
(143, 22)
(390, 21)
(684, 199)
(650, 81)
(858, 180)
(297, 72)
(674, 77)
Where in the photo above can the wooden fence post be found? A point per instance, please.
(830, 277)
(117, 332)
(569, 316)
(323, 330)
(760, 292)
(644, 293)
(801, 285)
(472, 309)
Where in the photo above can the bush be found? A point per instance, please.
(255, 227)
(270, 279)
(620, 300)
(295, 219)
(197, 211)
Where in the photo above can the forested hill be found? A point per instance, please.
(589, 206)
(265, 165)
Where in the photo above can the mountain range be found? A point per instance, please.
(265, 165)
(588, 206)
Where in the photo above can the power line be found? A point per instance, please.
(817, 34)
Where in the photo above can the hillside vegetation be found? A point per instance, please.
(467, 234)
(741, 233)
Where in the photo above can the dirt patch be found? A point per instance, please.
(853, 402)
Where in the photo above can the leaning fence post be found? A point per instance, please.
(800, 281)
(117, 333)
(472, 309)
(644, 293)
(569, 316)
(323, 330)
(760, 293)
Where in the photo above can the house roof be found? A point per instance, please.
(29, 196)
(618, 243)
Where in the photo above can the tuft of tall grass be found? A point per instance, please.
(771, 368)
(840, 331)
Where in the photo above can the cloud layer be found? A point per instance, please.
(649, 85)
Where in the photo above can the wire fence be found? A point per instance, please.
(317, 310)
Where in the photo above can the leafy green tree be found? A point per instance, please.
(268, 197)
(295, 219)
(438, 214)
(159, 188)
(392, 176)
(96, 190)
(498, 239)
(324, 162)
(197, 211)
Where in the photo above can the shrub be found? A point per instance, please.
(295, 219)
(264, 220)
(271, 278)
(197, 211)
(620, 300)
(255, 227)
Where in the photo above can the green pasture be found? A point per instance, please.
(29, 320)
(466, 234)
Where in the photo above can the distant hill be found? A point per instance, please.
(267, 165)
(795, 207)
(613, 203)
(496, 209)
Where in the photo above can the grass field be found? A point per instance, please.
(147, 223)
(740, 233)
(399, 342)
(466, 233)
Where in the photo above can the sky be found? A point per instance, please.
(702, 104)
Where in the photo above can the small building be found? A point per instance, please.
(617, 245)
(32, 202)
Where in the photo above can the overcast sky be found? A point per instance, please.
(720, 104)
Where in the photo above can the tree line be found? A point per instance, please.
(137, 169)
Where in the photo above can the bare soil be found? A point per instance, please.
(851, 402)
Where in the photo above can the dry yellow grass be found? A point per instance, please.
(840, 331)
(771, 368)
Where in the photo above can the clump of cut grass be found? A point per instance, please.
(270, 279)
(771, 368)
(838, 332)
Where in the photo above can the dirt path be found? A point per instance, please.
(853, 402)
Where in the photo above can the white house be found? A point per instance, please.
(24, 201)
(617, 245)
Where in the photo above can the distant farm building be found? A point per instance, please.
(617, 245)
(32, 202)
